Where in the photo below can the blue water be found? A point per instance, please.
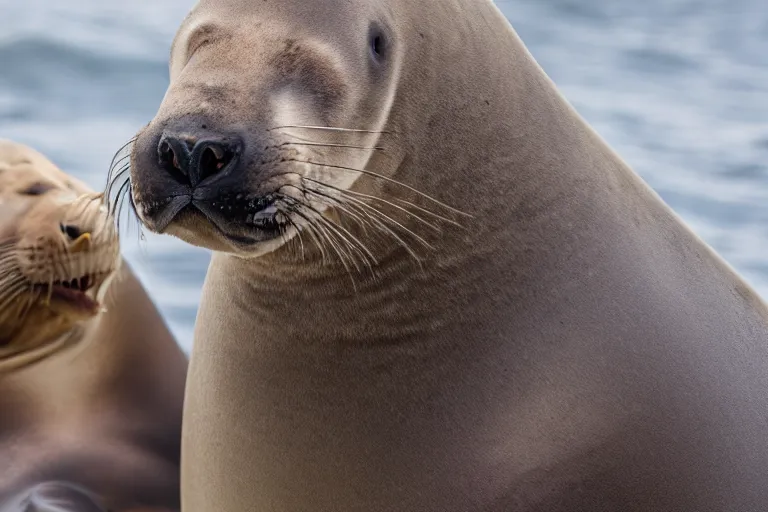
(678, 87)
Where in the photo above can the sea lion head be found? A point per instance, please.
(273, 110)
(58, 251)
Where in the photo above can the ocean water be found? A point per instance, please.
(678, 87)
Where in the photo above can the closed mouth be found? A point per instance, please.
(244, 227)
(241, 220)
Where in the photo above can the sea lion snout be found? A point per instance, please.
(192, 174)
(196, 158)
(263, 126)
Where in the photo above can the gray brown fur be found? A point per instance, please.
(575, 347)
(95, 425)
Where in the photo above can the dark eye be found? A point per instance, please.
(37, 189)
(378, 44)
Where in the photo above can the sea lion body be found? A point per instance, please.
(573, 347)
(92, 423)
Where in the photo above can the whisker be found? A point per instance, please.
(372, 214)
(391, 220)
(316, 237)
(50, 286)
(332, 237)
(322, 145)
(122, 166)
(7, 256)
(120, 150)
(117, 158)
(344, 255)
(116, 208)
(382, 177)
(111, 186)
(11, 281)
(80, 204)
(118, 176)
(367, 196)
(384, 228)
(132, 206)
(336, 203)
(343, 233)
(32, 296)
(117, 170)
(315, 233)
(12, 294)
(298, 234)
(344, 207)
(327, 128)
(334, 245)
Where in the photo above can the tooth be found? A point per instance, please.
(103, 287)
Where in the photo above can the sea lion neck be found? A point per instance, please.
(513, 151)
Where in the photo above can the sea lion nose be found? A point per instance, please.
(72, 232)
(78, 239)
(193, 158)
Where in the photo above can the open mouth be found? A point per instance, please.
(74, 293)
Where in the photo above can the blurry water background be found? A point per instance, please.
(678, 87)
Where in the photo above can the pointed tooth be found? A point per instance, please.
(103, 288)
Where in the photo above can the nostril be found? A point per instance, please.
(73, 232)
(167, 155)
(168, 158)
(174, 152)
(189, 159)
(213, 158)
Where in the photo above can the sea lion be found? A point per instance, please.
(90, 401)
(570, 346)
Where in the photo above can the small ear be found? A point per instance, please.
(53, 497)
